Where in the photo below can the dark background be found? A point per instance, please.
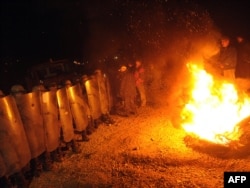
(33, 31)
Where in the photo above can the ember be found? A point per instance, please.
(215, 109)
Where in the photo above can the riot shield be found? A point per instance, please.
(65, 115)
(50, 118)
(109, 94)
(78, 107)
(12, 126)
(30, 111)
(93, 98)
(8, 154)
(102, 94)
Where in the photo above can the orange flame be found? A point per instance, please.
(214, 109)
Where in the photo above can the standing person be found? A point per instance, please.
(227, 58)
(243, 63)
(140, 81)
(128, 91)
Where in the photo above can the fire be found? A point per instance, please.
(214, 109)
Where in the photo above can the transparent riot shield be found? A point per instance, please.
(51, 121)
(65, 115)
(30, 111)
(78, 107)
(109, 93)
(12, 126)
(102, 93)
(92, 91)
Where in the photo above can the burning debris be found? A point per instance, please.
(215, 113)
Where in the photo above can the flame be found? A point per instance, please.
(214, 109)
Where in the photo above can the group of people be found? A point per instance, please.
(131, 84)
(233, 61)
(54, 119)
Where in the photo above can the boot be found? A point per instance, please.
(97, 122)
(36, 167)
(84, 136)
(90, 128)
(19, 180)
(46, 161)
(56, 155)
(110, 120)
(75, 147)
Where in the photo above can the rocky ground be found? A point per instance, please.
(143, 150)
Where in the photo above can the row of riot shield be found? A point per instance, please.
(33, 123)
(29, 127)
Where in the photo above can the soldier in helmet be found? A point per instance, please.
(48, 157)
(85, 138)
(103, 95)
(90, 128)
(64, 145)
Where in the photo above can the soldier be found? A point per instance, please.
(128, 91)
(30, 111)
(66, 121)
(92, 93)
(90, 128)
(104, 101)
(14, 147)
(75, 108)
(49, 156)
(140, 82)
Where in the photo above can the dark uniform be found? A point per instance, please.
(128, 92)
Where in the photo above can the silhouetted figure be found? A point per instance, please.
(242, 72)
(128, 91)
(140, 82)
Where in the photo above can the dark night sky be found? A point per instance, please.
(36, 30)
(231, 16)
(33, 28)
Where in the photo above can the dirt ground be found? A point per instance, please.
(143, 150)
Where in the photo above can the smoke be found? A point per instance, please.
(164, 34)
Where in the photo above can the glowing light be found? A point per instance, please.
(214, 108)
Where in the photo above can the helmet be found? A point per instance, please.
(84, 77)
(17, 89)
(39, 87)
(1, 93)
(53, 86)
(98, 71)
(68, 83)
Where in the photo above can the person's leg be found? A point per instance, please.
(142, 93)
